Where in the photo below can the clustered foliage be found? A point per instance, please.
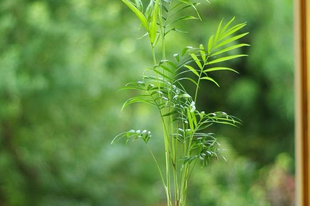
(185, 133)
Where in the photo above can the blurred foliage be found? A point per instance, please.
(61, 65)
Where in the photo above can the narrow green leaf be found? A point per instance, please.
(176, 30)
(231, 39)
(153, 26)
(181, 9)
(170, 113)
(138, 13)
(218, 31)
(210, 44)
(194, 119)
(177, 57)
(176, 6)
(159, 91)
(183, 72)
(227, 25)
(226, 58)
(165, 8)
(190, 121)
(197, 12)
(156, 40)
(232, 30)
(118, 137)
(155, 79)
(132, 88)
(144, 35)
(227, 123)
(204, 125)
(183, 18)
(167, 69)
(220, 69)
(195, 58)
(203, 53)
(186, 49)
(169, 62)
(187, 78)
(149, 9)
(138, 99)
(139, 4)
(212, 80)
(211, 135)
(192, 69)
(162, 74)
(229, 49)
(185, 2)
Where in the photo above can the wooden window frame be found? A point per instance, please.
(302, 101)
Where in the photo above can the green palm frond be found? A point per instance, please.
(133, 135)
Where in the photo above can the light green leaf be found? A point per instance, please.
(226, 58)
(232, 30)
(167, 69)
(170, 113)
(186, 49)
(139, 4)
(183, 8)
(132, 88)
(231, 39)
(227, 25)
(140, 98)
(187, 78)
(162, 74)
(195, 58)
(149, 9)
(118, 137)
(176, 30)
(197, 12)
(220, 69)
(165, 8)
(169, 62)
(192, 69)
(212, 80)
(218, 31)
(177, 57)
(190, 120)
(138, 13)
(184, 18)
(185, 2)
(229, 49)
(210, 44)
(153, 26)
(203, 53)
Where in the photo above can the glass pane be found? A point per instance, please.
(62, 64)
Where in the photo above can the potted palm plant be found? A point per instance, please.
(185, 129)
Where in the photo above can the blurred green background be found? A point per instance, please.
(62, 63)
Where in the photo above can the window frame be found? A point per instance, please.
(302, 101)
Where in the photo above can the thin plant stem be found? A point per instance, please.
(158, 167)
(153, 55)
(199, 79)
